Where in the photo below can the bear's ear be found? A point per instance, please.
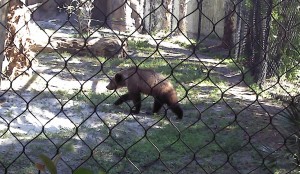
(119, 78)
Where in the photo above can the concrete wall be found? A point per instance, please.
(214, 12)
(193, 17)
(127, 15)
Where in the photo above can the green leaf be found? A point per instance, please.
(83, 171)
(56, 159)
(49, 164)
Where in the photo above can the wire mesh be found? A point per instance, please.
(60, 55)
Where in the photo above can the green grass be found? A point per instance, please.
(188, 43)
(141, 45)
(175, 148)
(212, 140)
(234, 65)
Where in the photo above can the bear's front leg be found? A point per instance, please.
(122, 99)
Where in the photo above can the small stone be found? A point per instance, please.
(2, 100)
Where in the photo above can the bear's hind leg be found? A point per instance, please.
(157, 105)
(122, 99)
(177, 110)
(173, 104)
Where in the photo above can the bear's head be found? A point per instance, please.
(116, 82)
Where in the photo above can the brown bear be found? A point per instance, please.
(148, 82)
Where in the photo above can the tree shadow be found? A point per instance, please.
(66, 102)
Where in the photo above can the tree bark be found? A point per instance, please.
(227, 40)
(18, 40)
(166, 23)
(200, 4)
(3, 23)
(182, 17)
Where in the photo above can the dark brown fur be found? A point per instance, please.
(148, 82)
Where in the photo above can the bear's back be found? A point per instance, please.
(146, 81)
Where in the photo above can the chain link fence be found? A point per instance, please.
(234, 65)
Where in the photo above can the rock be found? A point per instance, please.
(106, 47)
(2, 99)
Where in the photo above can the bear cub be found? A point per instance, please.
(148, 82)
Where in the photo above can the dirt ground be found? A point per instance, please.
(36, 106)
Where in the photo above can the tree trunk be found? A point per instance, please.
(182, 17)
(18, 41)
(257, 52)
(166, 20)
(227, 40)
(239, 37)
(3, 24)
(200, 4)
(265, 30)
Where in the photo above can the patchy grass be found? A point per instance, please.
(215, 134)
(174, 146)
(188, 43)
(164, 144)
(188, 77)
(141, 45)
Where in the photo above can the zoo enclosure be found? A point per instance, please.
(261, 35)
